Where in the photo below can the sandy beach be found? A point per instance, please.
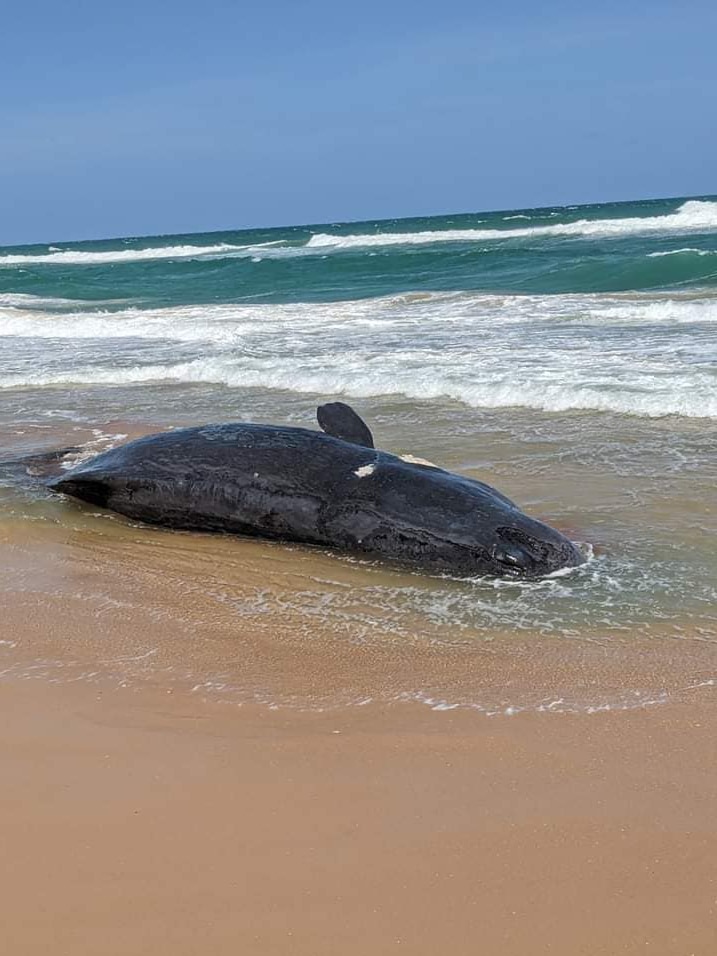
(431, 675)
(222, 745)
(218, 745)
(184, 779)
(153, 822)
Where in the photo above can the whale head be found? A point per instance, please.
(522, 546)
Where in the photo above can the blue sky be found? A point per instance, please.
(145, 117)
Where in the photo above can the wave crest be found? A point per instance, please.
(21, 300)
(461, 312)
(692, 216)
(691, 396)
(66, 257)
(682, 252)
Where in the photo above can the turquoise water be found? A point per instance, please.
(611, 247)
(567, 356)
(610, 307)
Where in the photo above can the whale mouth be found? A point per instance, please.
(525, 554)
(86, 489)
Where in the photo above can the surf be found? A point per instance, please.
(81, 257)
(691, 216)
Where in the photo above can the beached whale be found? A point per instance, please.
(330, 488)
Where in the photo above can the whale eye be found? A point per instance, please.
(534, 555)
(515, 541)
(513, 556)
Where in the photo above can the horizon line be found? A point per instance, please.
(349, 222)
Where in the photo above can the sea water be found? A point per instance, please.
(567, 356)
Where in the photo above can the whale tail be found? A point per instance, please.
(46, 464)
(341, 421)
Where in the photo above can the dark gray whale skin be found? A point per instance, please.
(294, 484)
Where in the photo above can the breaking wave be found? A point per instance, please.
(66, 257)
(19, 300)
(633, 353)
(681, 252)
(692, 216)
(643, 393)
(231, 324)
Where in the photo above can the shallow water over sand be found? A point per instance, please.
(90, 595)
(566, 356)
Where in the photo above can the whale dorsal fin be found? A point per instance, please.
(341, 421)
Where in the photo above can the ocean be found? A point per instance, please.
(566, 355)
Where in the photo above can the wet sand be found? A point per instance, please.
(95, 599)
(216, 745)
(146, 822)
(188, 770)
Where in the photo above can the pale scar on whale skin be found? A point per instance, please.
(365, 470)
(412, 460)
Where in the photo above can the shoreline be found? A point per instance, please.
(155, 822)
(233, 747)
(115, 611)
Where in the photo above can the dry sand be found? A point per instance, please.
(147, 822)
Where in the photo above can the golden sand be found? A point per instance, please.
(149, 823)
(210, 746)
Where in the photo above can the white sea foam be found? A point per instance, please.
(637, 353)
(101, 441)
(679, 252)
(221, 324)
(641, 393)
(595, 704)
(32, 303)
(692, 216)
(105, 257)
(19, 300)
(411, 312)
